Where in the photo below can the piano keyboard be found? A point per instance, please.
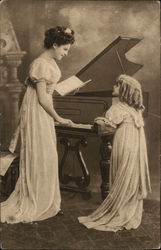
(75, 125)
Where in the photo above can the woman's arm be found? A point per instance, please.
(47, 105)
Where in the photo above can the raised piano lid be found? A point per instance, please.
(107, 65)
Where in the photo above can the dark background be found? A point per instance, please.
(97, 24)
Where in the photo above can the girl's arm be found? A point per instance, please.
(47, 105)
(103, 121)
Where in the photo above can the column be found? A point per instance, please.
(13, 86)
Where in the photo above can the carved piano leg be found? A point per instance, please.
(85, 179)
(14, 172)
(82, 182)
(105, 151)
(64, 178)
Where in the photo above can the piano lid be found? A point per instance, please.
(108, 65)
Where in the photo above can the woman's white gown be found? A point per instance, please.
(37, 194)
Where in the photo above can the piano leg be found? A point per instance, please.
(82, 182)
(14, 172)
(105, 152)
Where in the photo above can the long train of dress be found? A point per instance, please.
(37, 194)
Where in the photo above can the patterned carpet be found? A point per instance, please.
(65, 232)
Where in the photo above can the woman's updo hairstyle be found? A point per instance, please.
(130, 91)
(59, 35)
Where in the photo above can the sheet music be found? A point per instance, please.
(69, 85)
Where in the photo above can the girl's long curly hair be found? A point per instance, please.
(130, 91)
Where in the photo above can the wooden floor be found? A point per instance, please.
(65, 232)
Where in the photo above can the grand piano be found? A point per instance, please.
(84, 106)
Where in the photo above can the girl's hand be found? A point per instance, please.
(99, 120)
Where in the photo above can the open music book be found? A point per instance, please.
(69, 85)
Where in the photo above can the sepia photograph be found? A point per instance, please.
(80, 124)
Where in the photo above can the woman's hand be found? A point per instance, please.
(65, 121)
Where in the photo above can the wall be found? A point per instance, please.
(96, 24)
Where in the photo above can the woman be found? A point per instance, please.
(129, 173)
(37, 195)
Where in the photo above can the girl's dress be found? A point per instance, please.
(36, 195)
(129, 174)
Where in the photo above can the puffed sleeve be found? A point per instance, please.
(114, 116)
(39, 71)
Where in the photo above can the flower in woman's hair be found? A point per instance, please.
(68, 31)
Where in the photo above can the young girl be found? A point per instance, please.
(129, 174)
(37, 194)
